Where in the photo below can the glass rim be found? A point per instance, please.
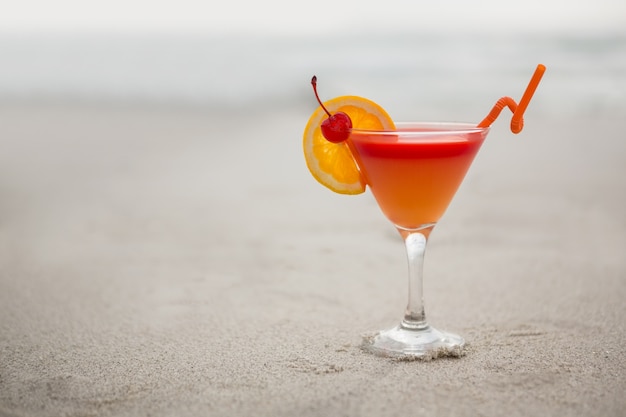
(433, 129)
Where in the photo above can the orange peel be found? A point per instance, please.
(332, 164)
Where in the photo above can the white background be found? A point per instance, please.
(314, 17)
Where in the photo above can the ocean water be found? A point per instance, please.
(456, 76)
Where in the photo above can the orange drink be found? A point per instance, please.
(414, 171)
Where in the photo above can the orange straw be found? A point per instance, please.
(517, 121)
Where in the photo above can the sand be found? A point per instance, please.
(181, 261)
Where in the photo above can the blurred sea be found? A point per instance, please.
(440, 76)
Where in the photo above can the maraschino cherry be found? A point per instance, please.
(336, 128)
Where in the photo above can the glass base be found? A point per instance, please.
(424, 343)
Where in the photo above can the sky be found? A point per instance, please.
(315, 17)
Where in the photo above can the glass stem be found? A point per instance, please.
(415, 242)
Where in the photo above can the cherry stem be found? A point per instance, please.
(314, 84)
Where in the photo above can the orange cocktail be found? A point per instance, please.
(415, 171)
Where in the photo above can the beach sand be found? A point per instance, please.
(181, 261)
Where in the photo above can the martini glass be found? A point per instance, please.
(413, 173)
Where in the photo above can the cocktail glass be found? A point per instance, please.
(413, 173)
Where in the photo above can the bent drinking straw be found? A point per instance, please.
(517, 121)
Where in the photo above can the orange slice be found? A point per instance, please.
(330, 163)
